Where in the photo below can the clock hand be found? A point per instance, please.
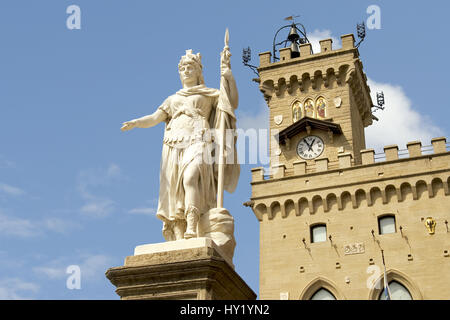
(311, 145)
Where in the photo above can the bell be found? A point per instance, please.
(295, 50)
(293, 35)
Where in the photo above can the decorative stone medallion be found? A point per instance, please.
(337, 102)
(278, 119)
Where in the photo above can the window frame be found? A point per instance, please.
(317, 225)
(381, 294)
(384, 216)
(322, 289)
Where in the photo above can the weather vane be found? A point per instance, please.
(380, 102)
(361, 31)
(291, 18)
(246, 57)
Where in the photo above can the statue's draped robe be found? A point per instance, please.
(191, 113)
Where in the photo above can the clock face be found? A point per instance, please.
(310, 147)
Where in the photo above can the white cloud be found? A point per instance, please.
(12, 226)
(11, 190)
(143, 211)
(317, 35)
(26, 228)
(59, 225)
(51, 272)
(398, 123)
(92, 267)
(5, 163)
(258, 120)
(97, 206)
(113, 171)
(17, 289)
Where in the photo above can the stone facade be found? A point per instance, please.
(347, 189)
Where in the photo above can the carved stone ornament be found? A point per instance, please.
(278, 119)
(430, 223)
(354, 248)
(337, 102)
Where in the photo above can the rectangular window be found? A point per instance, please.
(319, 233)
(387, 225)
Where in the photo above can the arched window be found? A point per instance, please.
(398, 292)
(309, 108)
(296, 111)
(318, 233)
(386, 224)
(321, 108)
(323, 294)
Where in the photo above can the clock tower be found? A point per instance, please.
(319, 103)
(330, 215)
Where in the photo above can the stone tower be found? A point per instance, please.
(325, 93)
(329, 210)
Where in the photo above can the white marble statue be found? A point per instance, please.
(191, 179)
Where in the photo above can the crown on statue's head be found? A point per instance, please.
(189, 57)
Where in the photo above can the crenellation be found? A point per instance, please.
(299, 167)
(439, 144)
(265, 58)
(391, 152)
(345, 160)
(279, 171)
(321, 164)
(348, 41)
(305, 50)
(306, 53)
(285, 54)
(326, 45)
(414, 148)
(258, 174)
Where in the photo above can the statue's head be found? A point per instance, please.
(190, 69)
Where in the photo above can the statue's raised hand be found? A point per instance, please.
(225, 65)
(226, 73)
(128, 125)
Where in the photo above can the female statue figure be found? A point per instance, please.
(188, 176)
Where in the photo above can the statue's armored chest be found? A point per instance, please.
(197, 104)
(189, 119)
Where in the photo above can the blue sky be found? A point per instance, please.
(75, 190)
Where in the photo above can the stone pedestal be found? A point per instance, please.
(185, 269)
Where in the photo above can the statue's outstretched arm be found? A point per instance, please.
(146, 121)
